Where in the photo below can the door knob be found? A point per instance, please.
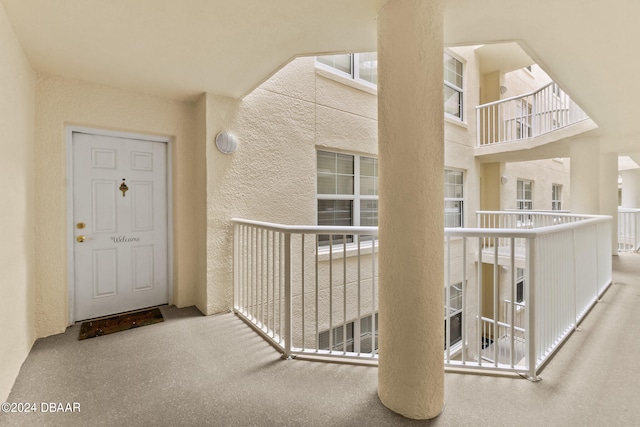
(81, 239)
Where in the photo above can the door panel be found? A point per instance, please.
(120, 253)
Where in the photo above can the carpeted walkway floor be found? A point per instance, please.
(193, 370)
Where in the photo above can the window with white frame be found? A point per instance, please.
(453, 87)
(366, 330)
(347, 192)
(453, 314)
(556, 197)
(524, 195)
(453, 198)
(362, 67)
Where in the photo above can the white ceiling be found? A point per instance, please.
(181, 48)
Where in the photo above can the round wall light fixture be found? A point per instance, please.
(226, 142)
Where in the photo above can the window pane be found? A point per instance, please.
(452, 214)
(369, 213)
(367, 186)
(368, 166)
(344, 164)
(368, 176)
(344, 184)
(453, 319)
(339, 62)
(368, 67)
(452, 71)
(326, 183)
(455, 325)
(452, 102)
(335, 212)
(326, 162)
(335, 173)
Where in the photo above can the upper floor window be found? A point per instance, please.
(347, 192)
(556, 197)
(453, 87)
(362, 67)
(524, 195)
(362, 336)
(453, 198)
(453, 314)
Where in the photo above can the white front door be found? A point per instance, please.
(120, 224)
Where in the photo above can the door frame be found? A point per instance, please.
(69, 131)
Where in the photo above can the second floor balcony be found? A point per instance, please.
(532, 119)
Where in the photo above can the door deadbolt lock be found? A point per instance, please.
(81, 239)
(80, 225)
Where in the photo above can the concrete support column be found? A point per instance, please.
(594, 182)
(585, 176)
(609, 193)
(630, 188)
(411, 155)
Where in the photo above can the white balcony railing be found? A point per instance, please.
(526, 116)
(314, 300)
(628, 230)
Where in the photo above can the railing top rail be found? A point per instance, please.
(534, 212)
(549, 211)
(527, 233)
(513, 98)
(308, 229)
(452, 232)
(629, 210)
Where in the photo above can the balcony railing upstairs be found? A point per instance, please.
(526, 116)
(628, 230)
(504, 309)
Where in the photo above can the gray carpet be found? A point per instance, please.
(194, 370)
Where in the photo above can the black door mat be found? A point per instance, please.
(121, 322)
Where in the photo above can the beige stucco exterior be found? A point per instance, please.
(271, 177)
(17, 172)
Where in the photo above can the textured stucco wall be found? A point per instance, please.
(543, 173)
(17, 109)
(61, 102)
(271, 177)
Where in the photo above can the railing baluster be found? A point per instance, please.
(317, 295)
(465, 315)
(344, 293)
(287, 296)
(331, 341)
(303, 295)
(496, 300)
(374, 328)
(447, 300)
(356, 341)
(512, 270)
(480, 322)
